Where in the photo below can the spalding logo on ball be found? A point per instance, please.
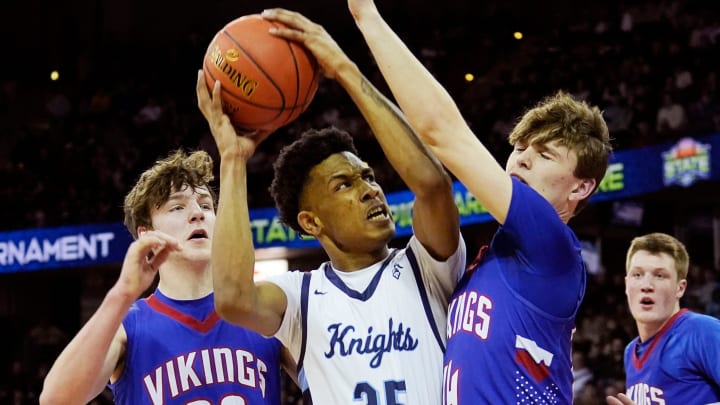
(266, 81)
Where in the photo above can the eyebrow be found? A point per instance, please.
(178, 196)
(346, 176)
(548, 148)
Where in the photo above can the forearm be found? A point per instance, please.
(84, 367)
(420, 170)
(433, 114)
(427, 105)
(233, 254)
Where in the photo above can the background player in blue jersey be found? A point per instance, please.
(676, 357)
(510, 320)
(366, 326)
(170, 348)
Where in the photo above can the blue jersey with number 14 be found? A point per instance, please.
(511, 318)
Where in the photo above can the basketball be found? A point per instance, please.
(266, 81)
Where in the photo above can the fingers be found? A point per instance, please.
(612, 400)
(216, 97)
(285, 16)
(200, 86)
(625, 399)
(159, 256)
(203, 97)
(210, 106)
(154, 247)
(298, 25)
(620, 399)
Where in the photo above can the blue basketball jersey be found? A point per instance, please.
(181, 352)
(679, 365)
(511, 318)
(371, 336)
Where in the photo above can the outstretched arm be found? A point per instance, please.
(435, 216)
(433, 114)
(95, 354)
(237, 298)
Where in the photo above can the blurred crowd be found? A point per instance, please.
(78, 142)
(72, 148)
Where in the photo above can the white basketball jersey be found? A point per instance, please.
(372, 336)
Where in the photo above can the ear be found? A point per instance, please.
(583, 189)
(682, 285)
(141, 230)
(309, 222)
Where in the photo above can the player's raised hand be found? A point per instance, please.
(142, 260)
(225, 134)
(619, 399)
(312, 36)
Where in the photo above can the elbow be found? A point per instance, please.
(428, 129)
(434, 183)
(52, 397)
(44, 399)
(441, 128)
(233, 298)
(232, 308)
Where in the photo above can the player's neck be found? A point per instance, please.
(646, 330)
(185, 283)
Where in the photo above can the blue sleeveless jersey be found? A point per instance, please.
(174, 357)
(511, 318)
(679, 365)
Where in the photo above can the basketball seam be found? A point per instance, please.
(286, 111)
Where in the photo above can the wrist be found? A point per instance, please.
(121, 295)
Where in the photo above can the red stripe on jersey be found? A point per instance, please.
(189, 321)
(538, 372)
(639, 362)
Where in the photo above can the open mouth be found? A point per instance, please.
(647, 301)
(198, 234)
(378, 213)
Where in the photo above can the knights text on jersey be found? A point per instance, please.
(372, 336)
(173, 358)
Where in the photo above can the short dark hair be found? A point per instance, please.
(295, 162)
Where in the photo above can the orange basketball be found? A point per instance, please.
(266, 81)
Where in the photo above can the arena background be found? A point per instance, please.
(71, 148)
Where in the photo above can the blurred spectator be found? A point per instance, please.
(671, 118)
(44, 341)
(582, 375)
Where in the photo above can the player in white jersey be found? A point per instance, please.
(365, 326)
(372, 332)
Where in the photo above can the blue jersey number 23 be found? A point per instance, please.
(371, 396)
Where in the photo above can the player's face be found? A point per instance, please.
(349, 205)
(652, 288)
(189, 216)
(548, 168)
